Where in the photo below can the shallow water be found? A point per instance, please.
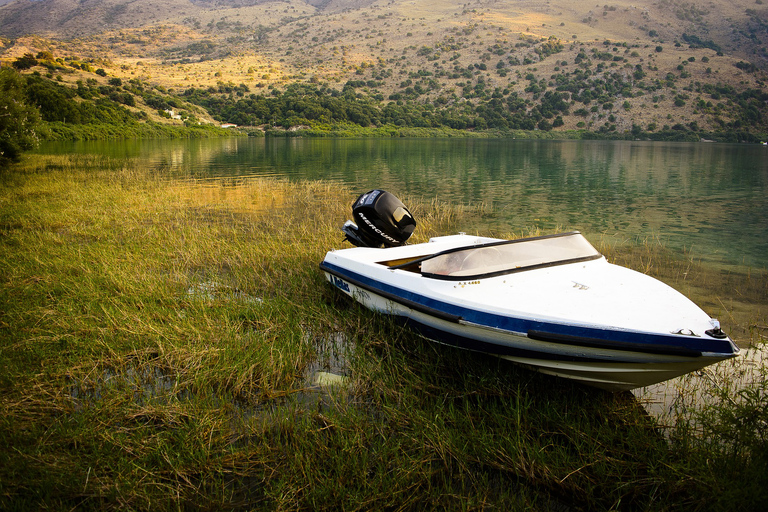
(684, 396)
(710, 199)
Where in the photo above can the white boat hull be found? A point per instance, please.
(593, 322)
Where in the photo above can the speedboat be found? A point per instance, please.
(551, 303)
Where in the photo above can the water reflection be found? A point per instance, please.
(709, 197)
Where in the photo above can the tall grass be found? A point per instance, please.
(158, 341)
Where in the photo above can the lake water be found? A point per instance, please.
(711, 199)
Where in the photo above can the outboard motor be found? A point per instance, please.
(381, 219)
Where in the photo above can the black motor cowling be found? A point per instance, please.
(381, 219)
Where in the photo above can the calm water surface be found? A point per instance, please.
(711, 199)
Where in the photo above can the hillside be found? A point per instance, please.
(556, 65)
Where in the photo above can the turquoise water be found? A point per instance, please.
(710, 199)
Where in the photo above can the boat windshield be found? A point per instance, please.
(505, 257)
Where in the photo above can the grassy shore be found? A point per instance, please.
(392, 131)
(169, 345)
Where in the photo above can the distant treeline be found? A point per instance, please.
(313, 105)
(597, 100)
(35, 107)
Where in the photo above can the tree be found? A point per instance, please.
(18, 121)
(25, 62)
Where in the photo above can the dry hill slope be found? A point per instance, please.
(658, 62)
(738, 27)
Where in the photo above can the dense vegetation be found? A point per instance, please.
(36, 106)
(18, 119)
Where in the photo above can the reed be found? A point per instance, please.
(161, 342)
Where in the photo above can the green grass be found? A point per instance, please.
(128, 130)
(158, 341)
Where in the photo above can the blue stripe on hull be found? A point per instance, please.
(621, 340)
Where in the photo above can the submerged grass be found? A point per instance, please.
(158, 340)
